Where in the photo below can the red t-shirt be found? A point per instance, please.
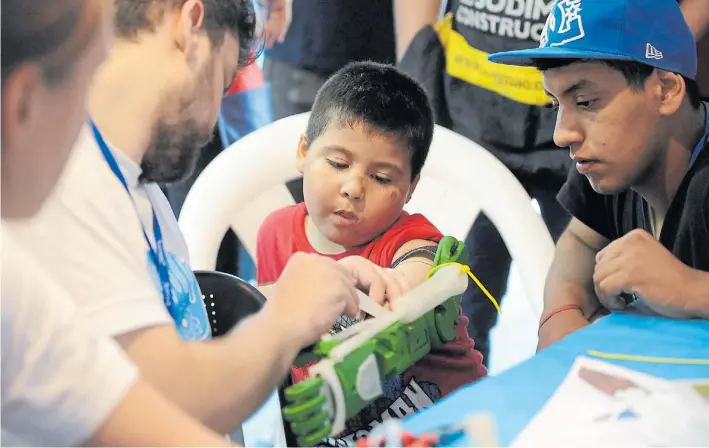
(434, 376)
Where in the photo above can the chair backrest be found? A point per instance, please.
(228, 299)
(246, 182)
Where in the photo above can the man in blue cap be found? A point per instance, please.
(621, 75)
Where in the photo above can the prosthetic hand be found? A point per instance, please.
(355, 364)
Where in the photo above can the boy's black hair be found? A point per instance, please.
(381, 98)
(635, 74)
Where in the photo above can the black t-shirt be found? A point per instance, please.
(685, 231)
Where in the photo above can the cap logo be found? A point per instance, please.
(652, 52)
(563, 25)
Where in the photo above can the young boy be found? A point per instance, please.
(622, 75)
(361, 156)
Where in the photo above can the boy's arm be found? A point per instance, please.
(414, 269)
(570, 282)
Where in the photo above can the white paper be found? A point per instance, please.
(601, 404)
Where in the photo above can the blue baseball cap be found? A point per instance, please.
(651, 32)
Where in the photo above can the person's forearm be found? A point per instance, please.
(569, 294)
(239, 371)
(219, 382)
(410, 17)
(568, 284)
(696, 13)
(695, 298)
(146, 418)
(560, 294)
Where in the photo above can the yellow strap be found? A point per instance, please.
(443, 28)
(521, 84)
(649, 359)
(466, 269)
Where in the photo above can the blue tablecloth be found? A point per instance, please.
(515, 396)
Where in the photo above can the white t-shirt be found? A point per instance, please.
(59, 382)
(89, 235)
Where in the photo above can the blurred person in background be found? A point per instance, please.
(61, 385)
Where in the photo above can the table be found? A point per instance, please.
(515, 396)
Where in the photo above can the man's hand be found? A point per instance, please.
(310, 295)
(382, 285)
(638, 264)
(277, 21)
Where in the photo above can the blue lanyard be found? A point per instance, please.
(157, 253)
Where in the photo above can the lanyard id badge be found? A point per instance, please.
(157, 252)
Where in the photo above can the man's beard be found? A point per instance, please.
(174, 151)
(178, 137)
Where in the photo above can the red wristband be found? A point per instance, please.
(557, 311)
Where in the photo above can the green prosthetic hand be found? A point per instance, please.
(355, 364)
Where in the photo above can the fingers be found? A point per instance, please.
(626, 245)
(284, 29)
(288, 13)
(269, 35)
(609, 288)
(351, 303)
(399, 286)
(347, 290)
(395, 285)
(611, 301)
(605, 268)
(609, 252)
(269, 41)
(276, 26)
(609, 280)
(380, 284)
(378, 289)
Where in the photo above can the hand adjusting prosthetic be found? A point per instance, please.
(355, 363)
